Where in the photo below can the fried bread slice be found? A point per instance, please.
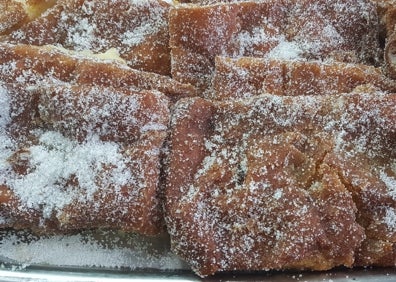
(247, 76)
(343, 30)
(31, 64)
(78, 156)
(99, 136)
(137, 29)
(283, 182)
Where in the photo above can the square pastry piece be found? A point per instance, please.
(138, 29)
(282, 182)
(89, 157)
(345, 30)
(76, 152)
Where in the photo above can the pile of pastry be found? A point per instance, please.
(259, 134)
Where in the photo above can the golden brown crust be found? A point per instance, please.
(89, 152)
(288, 162)
(12, 16)
(91, 160)
(386, 13)
(345, 31)
(33, 63)
(390, 19)
(390, 54)
(282, 182)
(139, 30)
(247, 76)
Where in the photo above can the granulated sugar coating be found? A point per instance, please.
(234, 135)
(78, 153)
(246, 77)
(343, 30)
(277, 182)
(33, 64)
(77, 169)
(138, 29)
(93, 249)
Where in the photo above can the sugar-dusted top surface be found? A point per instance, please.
(342, 30)
(274, 180)
(244, 77)
(33, 64)
(84, 27)
(80, 156)
(118, 115)
(6, 143)
(262, 183)
(54, 160)
(137, 29)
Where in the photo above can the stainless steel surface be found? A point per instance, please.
(112, 256)
(107, 249)
(63, 276)
(44, 275)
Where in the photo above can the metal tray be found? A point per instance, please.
(103, 255)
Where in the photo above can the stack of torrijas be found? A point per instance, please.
(259, 134)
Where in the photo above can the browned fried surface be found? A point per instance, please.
(386, 12)
(344, 30)
(138, 29)
(76, 152)
(390, 19)
(287, 162)
(30, 64)
(283, 182)
(11, 16)
(90, 105)
(390, 54)
(89, 159)
(16, 13)
(247, 76)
